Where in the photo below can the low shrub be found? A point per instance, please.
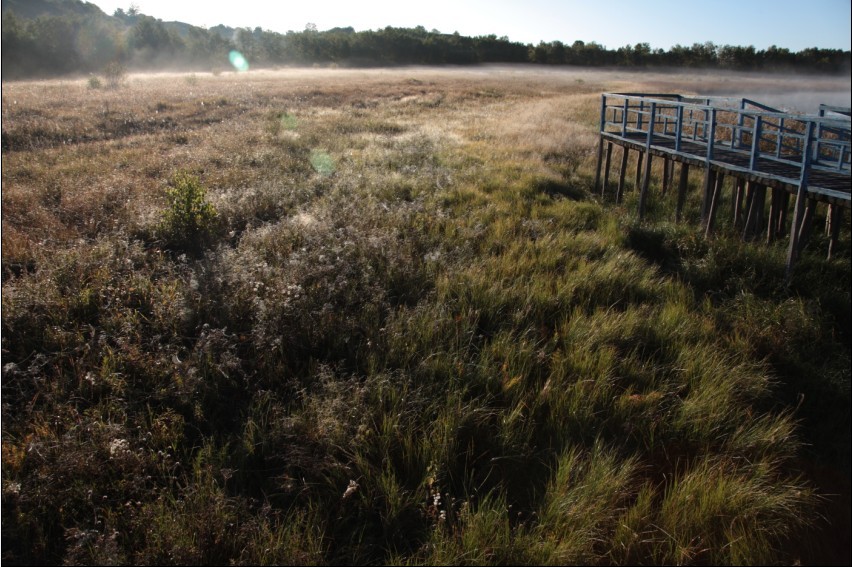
(190, 221)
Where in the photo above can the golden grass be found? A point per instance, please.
(107, 152)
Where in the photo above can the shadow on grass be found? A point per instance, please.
(553, 188)
(801, 332)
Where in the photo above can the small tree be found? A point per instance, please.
(114, 74)
(190, 220)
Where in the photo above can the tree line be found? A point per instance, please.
(86, 41)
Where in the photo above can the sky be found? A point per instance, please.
(794, 24)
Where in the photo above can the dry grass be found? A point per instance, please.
(410, 333)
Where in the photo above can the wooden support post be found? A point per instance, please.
(799, 207)
(620, 190)
(774, 215)
(828, 219)
(738, 202)
(807, 224)
(749, 199)
(671, 173)
(734, 184)
(606, 168)
(710, 174)
(709, 187)
(646, 181)
(782, 214)
(720, 182)
(667, 165)
(795, 227)
(601, 141)
(835, 219)
(639, 159)
(755, 192)
(681, 190)
(714, 203)
(759, 204)
(600, 161)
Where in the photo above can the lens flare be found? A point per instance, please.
(239, 62)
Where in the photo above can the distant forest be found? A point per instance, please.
(65, 37)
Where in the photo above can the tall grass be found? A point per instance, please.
(390, 323)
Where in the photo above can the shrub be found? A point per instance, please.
(114, 74)
(190, 220)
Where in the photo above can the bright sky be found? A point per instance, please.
(794, 24)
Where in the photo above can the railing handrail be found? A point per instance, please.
(760, 133)
(732, 101)
(662, 103)
(845, 110)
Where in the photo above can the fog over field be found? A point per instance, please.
(794, 92)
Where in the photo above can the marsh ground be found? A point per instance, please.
(403, 330)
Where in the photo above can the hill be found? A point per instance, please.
(31, 9)
(62, 37)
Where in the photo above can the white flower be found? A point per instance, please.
(118, 446)
(351, 489)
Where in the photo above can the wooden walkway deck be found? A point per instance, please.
(759, 147)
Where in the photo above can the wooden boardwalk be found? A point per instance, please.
(759, 147)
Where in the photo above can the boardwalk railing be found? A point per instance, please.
(805, 155)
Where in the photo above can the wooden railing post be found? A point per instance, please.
(737, 140)
(799, 208)
(643, 196)
(711, 137)
(600, 142)
(819, 135)
(755, 143)
(709, 174)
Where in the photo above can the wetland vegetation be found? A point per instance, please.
(379, 316)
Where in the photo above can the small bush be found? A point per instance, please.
(95, 83)
(190, 220)
(114, 74)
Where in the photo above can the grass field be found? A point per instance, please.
(380, 317)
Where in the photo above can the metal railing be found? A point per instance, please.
(716, 128)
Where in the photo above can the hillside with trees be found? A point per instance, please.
(64, 37)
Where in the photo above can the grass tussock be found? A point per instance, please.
(381, 318)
